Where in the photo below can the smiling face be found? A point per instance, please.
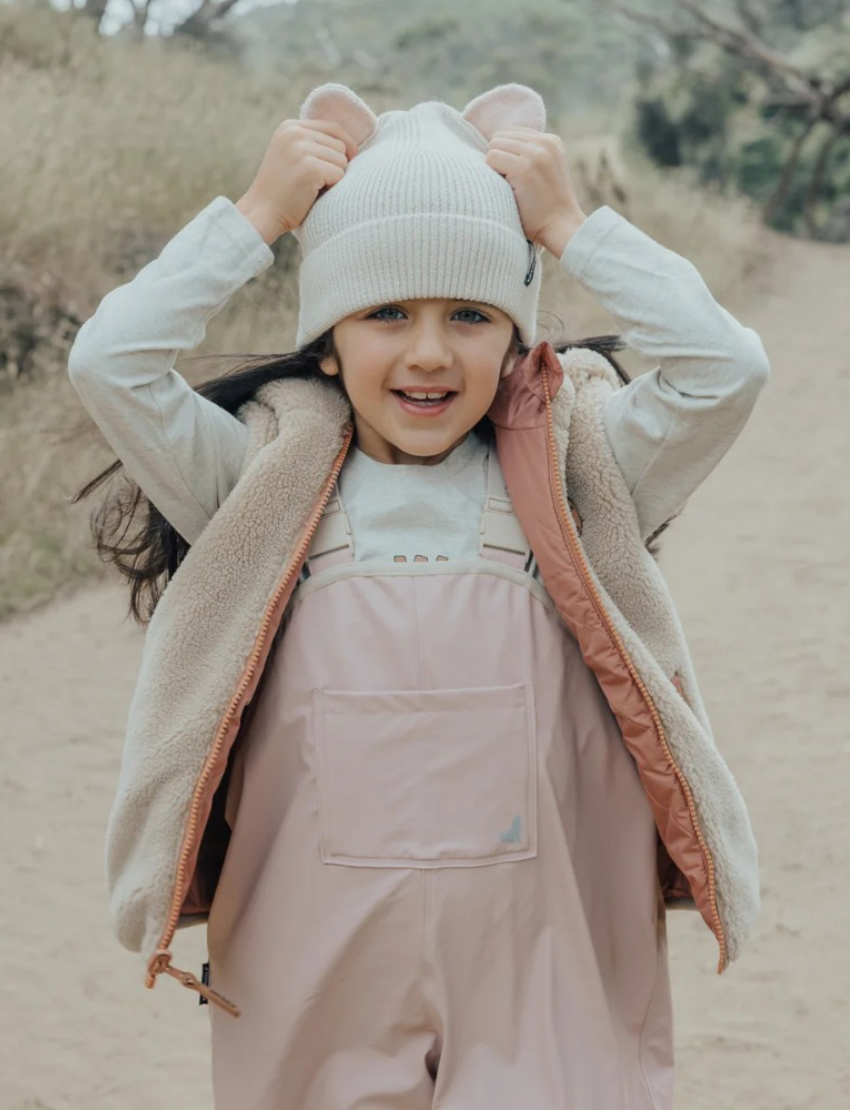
(431, 345)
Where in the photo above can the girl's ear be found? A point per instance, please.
(509, 362)
(506, 106)
(329, 366)
(340, 104)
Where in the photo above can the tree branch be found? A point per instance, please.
(778, 194)
(199, 22)
(745, 44)
(801, 91)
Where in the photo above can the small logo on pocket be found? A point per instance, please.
(512, 835)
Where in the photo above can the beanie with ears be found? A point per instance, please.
(418, 212)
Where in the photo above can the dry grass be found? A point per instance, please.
(109, 149)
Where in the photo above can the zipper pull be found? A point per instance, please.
(162, 963)
(531, 264)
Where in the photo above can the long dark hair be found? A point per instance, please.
(149, 556)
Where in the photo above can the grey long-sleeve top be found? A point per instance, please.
(668, 428)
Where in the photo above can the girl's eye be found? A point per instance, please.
(377, 315)
(392, 308)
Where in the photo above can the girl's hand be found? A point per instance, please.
(536, 167)
(303, 159)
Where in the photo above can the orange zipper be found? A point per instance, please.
(161, 960)
(579, 560)
(162, 963)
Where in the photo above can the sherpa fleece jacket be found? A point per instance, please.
(663, 433)
(212, 631)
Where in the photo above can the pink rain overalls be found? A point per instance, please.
(441, 888)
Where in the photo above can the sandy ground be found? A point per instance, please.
(759, 569)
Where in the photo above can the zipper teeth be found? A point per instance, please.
(307, 535)
(579, 559)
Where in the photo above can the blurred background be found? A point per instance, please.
(722, 129)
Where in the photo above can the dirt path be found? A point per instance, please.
(758, 566)
(760, 571)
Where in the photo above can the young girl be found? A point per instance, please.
(417, 730)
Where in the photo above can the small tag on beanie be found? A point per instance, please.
(205, 979)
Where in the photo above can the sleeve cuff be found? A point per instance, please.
(597, 227)
(253, 253)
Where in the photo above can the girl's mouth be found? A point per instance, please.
(423, 405)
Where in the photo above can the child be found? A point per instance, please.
(417, 731)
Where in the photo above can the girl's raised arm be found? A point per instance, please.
(183, 450)
(671, 426)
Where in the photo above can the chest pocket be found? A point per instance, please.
(426, 778)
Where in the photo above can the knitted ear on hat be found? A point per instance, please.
(506, 106)
(338, 103)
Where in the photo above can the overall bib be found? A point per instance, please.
(440, 889)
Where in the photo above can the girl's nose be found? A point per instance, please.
(428, 348)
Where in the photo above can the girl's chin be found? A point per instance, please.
(412, 449)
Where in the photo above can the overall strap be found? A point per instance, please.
(331, 543)
(502, 535)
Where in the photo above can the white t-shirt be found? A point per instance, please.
(398, 511)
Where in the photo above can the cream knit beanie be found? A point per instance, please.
(418, 213)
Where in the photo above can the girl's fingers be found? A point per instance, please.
(501, 160)
(333, 129)
(331, 154)
(508, 144)
(330, 142)
(520, 139)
